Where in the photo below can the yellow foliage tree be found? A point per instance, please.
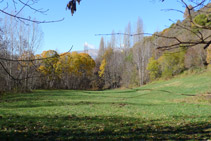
(75, 64)
(67, 69)
(103, 65)
(64, 64)
(86, 63)
(48, 66)
(102, 68)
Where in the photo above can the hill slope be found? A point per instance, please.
(160, 110)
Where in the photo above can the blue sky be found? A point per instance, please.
(100, 16)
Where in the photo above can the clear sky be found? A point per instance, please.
(100, 16)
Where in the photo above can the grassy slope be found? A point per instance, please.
(155, 111)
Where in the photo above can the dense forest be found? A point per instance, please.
(126, 60)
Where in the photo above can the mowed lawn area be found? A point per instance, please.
(179, 108)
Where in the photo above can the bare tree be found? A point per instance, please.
(142, 51)
(22, 41)
(198, 24)
(138, 51)
(101, 49)
(127, 39)
(139, 29)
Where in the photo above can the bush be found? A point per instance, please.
(168, 65)
(201, 19)
(154, 68)
(172, 63)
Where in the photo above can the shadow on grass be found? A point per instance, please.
(134, 95)
(97, 127)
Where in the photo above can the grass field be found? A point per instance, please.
(179, 108)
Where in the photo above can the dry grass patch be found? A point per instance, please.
(176, 83)
(202, 98)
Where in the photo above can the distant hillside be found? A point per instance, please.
(92, 52)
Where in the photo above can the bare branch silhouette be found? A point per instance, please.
(32, 60)
(28, 4)
(200, 37)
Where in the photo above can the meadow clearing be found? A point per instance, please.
(179, 108)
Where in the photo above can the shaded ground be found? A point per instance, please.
(99, 127)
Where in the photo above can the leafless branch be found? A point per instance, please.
(167, 10)
(199, 35)
(28, 4)
(32, 60)
(21, 8)
(28, 19)
(176, 42)
(32, 8)
(7, 71)
(123, 34)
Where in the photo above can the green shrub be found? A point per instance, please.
(154, 68)
(203, 20)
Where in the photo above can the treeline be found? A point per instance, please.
(48, 70)
(127, 59)
(18, 41)
(23, 70)
(136, 60)
(122, 61)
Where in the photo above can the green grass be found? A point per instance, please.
(170, 110)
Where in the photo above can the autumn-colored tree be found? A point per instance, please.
(48, 66)
(102, 68)
(111, 67)
(74, 70)
(106, 58)
(97, 80)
